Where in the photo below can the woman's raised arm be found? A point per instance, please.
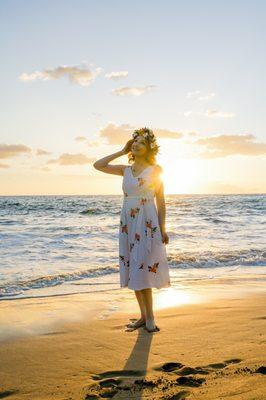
(104, 166)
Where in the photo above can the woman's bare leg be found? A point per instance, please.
(139, 296)
(148, 301)
(142, 319)
(147, 298)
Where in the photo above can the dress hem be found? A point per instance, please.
(147, 287)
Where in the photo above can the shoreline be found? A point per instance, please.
(40, 314)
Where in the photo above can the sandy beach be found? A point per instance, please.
(76, 347)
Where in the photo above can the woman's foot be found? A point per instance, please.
(136, 324)
(150, 325)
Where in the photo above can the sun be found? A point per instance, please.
(183, 176)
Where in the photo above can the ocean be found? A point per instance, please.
(54, 245)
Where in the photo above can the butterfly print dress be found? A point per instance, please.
(142, 254)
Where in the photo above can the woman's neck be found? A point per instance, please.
(140, 161)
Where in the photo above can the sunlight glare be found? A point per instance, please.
(182, 176)
(174, 297)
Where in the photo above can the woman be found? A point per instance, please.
(142, 236)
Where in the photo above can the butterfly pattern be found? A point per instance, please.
(137, 236)
(134, 211)
(153, 268)
(151, 227)
(143, 200)
(123, 227)
(124, 261)
(141, 181)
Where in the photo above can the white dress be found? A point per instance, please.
(142, 254)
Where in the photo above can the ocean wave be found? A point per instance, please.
(8, 222)
(56, 206)
(68, 232)
(94, 211)
(19, 287)
(182, 260)
(218, 259)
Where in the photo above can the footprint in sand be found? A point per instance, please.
(220, 365)
(190, 370)
(190, 381)
(145, 383)
(180, 369)
(171, 366)
(124, 372)
(179, 396)
(233, 361)
(261, 370)
(7, 393)
(109, 383)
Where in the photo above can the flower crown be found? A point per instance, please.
(147, 134)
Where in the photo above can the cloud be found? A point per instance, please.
(43, 168)
(196, 95)
(4, 165)
(191, 95)
(71, 159)
(41, 152)
(13, 150)
(80, 75)
(83, 139)
(119, 134)
(132, 91)
(80, 139)
(116, 75)
(190, 136)
(207, 96)
(210, 114)
(226, 145)
(165, 133)
(217, 113)
(116, 134)
(93, 144)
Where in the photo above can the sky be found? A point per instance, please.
(77, 78)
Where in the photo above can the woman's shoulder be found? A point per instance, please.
(158, 169)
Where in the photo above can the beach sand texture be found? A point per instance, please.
(206, 351)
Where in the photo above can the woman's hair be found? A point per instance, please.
(150, 140)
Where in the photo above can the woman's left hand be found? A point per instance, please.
(165, 238)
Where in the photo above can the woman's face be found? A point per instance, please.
(139, 146)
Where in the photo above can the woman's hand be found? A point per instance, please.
(165, 238)
(126, 149)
